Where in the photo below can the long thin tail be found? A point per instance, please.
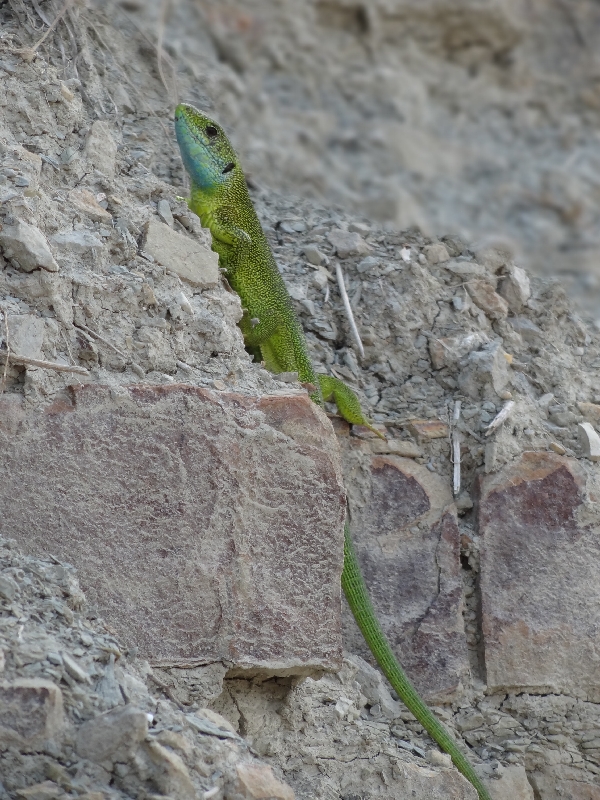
(359, 601)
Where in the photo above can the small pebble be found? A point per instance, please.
(558, 448)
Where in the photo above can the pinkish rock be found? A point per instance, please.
(539, 577)
(205, 526)
(407, 541)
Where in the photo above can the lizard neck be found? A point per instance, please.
(202, 203)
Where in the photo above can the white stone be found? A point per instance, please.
(181, 254)
(314, 256)
(74, 670)
(515, 288)
(113, 734)
(27, 245)
(589, 441)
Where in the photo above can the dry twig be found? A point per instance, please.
(503, 414)
(37, 362)
(456, 449)
(348, 309)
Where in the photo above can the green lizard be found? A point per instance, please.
(272, 332)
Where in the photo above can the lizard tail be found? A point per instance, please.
(359, 601)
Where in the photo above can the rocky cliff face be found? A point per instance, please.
(123, 378)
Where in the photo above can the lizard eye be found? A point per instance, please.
(228, 168)
(211, 131)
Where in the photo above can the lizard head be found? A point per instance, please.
(207, 154)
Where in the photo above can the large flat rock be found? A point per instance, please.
(206, 526)
(540, 577)
(408, 545)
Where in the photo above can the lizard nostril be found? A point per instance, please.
(228, 168)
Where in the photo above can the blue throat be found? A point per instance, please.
(199, 163)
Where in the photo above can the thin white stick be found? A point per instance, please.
(503, 414)
(101, 339)
(348, 309)
(36, 362)
(456, 414)
(456, 450)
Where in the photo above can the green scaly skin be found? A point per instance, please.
(219, 196)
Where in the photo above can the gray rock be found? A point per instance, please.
(123, 100)
(171, 773)
(466, 268)
(165, 213)
(512, 784)
(78, 241)
(374, 687)
(184, 256)
(527, 329)
(483, 295)
(101, 149)
(368, 263)
(112, 736)
(8, 588)
(347, 244)
(108, 686)
(26, 334)
(26, 245)
(487, 365)
(359, 227)
(436, 253)
(515, 288)
(448, 350)
(314, 256)
(74, 670)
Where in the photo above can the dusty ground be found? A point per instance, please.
(441, 321)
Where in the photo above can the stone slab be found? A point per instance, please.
(206, 526)
(540, 577)
(408, 545)
(189, 259)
